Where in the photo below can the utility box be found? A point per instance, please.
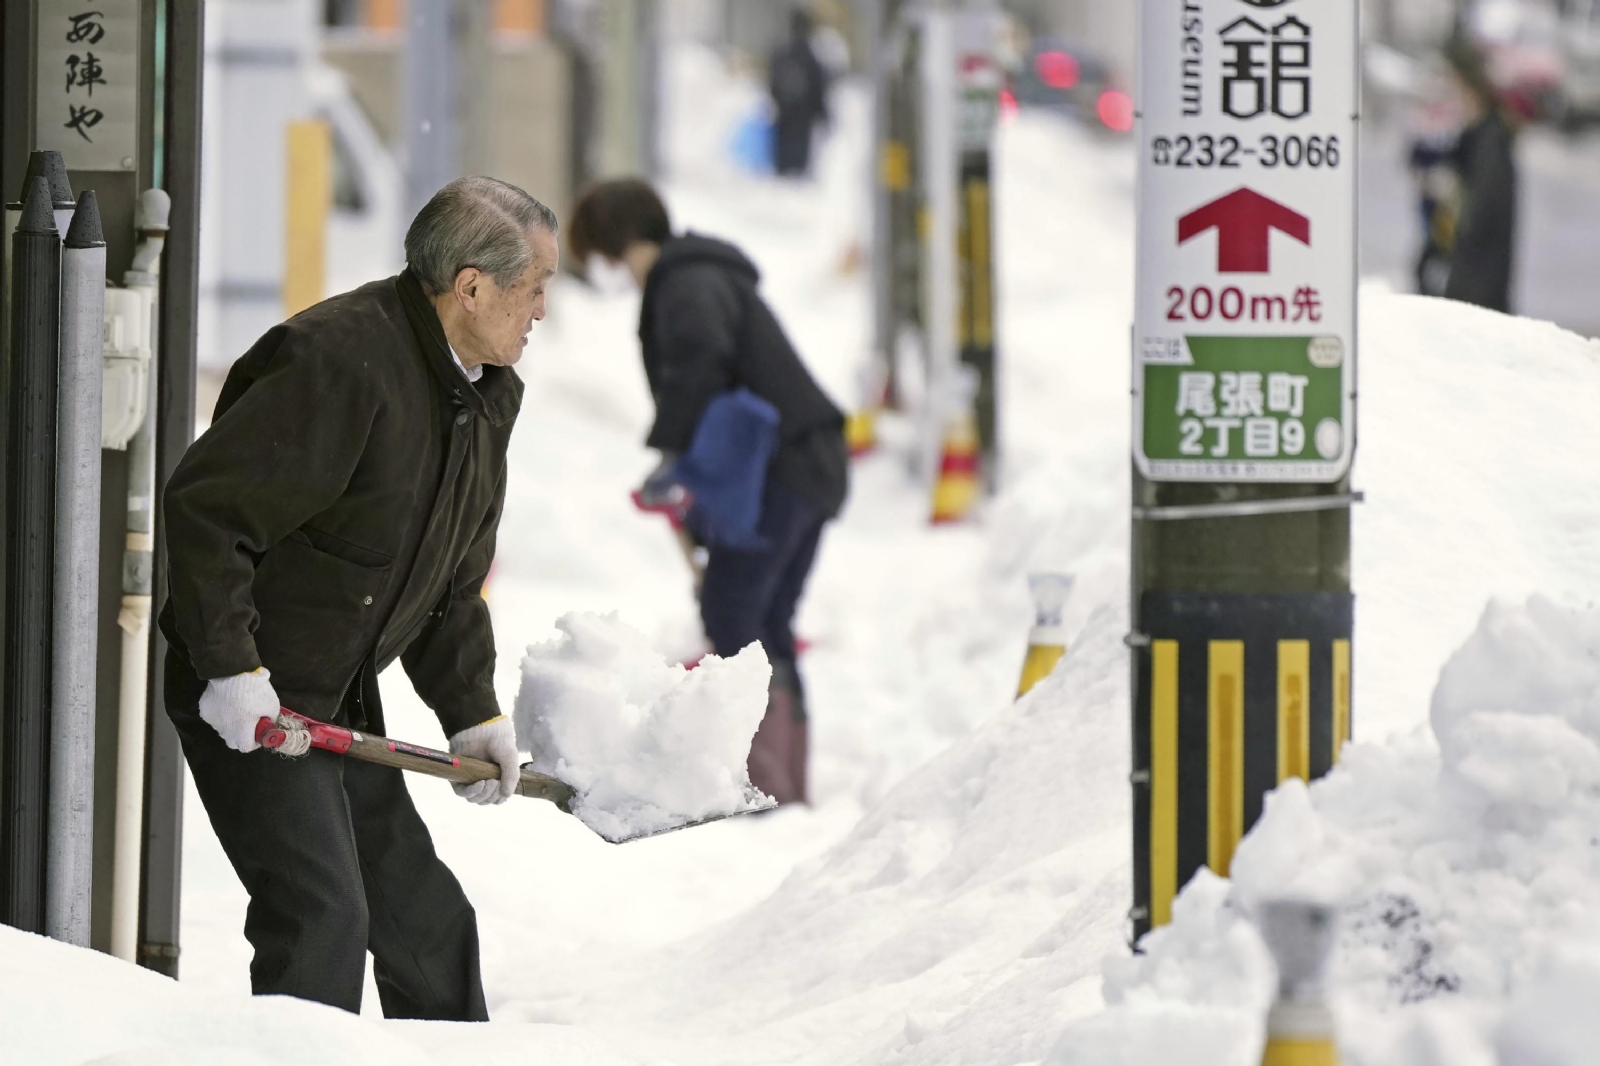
(126, 386)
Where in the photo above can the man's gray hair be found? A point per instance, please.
(474, 222)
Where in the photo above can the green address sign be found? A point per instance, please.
(1247, 408)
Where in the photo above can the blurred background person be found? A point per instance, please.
(1432, 165)
(798, 83)
(707, 334)
(1485, 163)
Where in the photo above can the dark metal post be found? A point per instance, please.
(980, 101)
(430, 136)
(650, 47)
(888, 171)
(35, 337)
(163, 844)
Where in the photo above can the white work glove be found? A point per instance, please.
(492, 741)
(233, 705)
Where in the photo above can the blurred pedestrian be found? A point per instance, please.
(716, 358)
(340, 514)
(799, 86)
(1485, 230)
(1433, 167)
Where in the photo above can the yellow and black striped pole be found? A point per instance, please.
(891, 233)
(1244, 442)
(1228, 707)
(975, 328)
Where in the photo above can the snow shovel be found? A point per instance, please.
(673, 508)
(457, 769)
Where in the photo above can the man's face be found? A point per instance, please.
(498, 319)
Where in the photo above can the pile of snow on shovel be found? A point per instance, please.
(647, 745)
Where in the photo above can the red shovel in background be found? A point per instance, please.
(457, 769)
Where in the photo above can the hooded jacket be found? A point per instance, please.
(705, 330)
(1480, 263)
(341, 512)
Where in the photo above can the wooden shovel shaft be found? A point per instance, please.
(368, 747)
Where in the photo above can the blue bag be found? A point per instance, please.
(725, 469)
(753, 143)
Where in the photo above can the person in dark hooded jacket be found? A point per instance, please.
(706, 332)
(799, 86)
(1485, 161)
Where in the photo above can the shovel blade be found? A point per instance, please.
(761, 803)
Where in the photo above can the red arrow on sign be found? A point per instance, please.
(1244, 221)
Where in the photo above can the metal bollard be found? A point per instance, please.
(70, 836)
(1300, 936)
(30, 546)
(1047, 643)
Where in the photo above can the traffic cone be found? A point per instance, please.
(861, 427)
(1300, 936)
(861, 432)
(1047, 642)
(955, 492)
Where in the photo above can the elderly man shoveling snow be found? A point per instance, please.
(340, 514)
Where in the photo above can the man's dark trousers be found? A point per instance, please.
(753, 595)
(337, 862)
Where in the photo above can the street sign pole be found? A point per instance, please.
(1244, 349)
(979, 84)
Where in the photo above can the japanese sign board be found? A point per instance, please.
(1244, 336)
(88, 83)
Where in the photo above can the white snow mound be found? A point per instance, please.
(646, 744)
(68, 1006)
(1466, 871)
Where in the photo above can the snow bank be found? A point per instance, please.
(953, 925)
(62, 1006)
(646, 744)
(1478, 437)
(1467, 873)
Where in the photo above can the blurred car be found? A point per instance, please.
(1063, 76)
(1522, 46)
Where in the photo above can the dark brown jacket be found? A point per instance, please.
(341, 511)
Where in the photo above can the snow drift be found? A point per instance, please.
(1467, 872)
(646, 744)
(950, 926)
(64, 1006)
(972, 915)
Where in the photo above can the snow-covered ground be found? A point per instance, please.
(957, 895)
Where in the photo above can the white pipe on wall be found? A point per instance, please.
(134, 618)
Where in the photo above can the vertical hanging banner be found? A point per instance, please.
(88, 82)
(1245, 316)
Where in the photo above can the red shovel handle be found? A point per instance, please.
(271, 734)
(673, 506)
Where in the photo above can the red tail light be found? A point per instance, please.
(1115, 109)
(1057, 70)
